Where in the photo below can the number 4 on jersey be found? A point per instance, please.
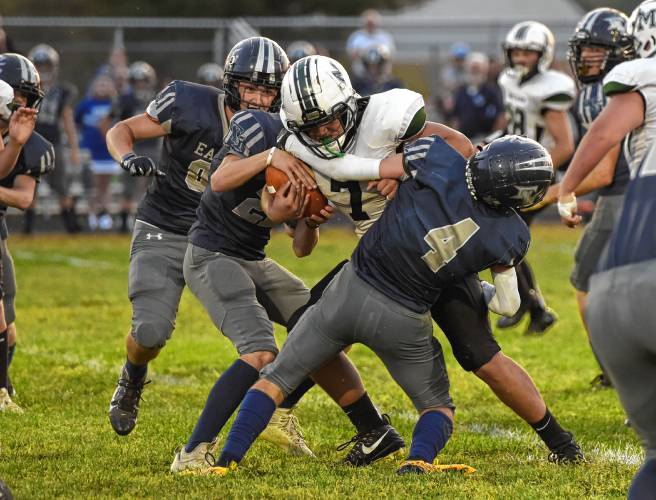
(445, 242)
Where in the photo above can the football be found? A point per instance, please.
(276, 178)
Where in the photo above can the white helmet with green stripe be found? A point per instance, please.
(643, 28)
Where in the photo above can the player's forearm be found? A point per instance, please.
(8, 157)
(235, 171)
(120, 141)
(561, 152)
(305, 239)
(457, 140)
(503, 297)
(17, 198)
(69, 129)
(594, 146)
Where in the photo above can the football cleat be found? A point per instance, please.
(285, 431)
(124, 406)
(197, 461)
(567, 453)
(421, 467)
(373, 445)
(541, 321)
(510, 321)
(601, 381)
(6, 404)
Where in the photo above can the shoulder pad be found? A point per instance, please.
(244, 133)
(630, 76)
(556, 90)
(38, 156)
(392, 111)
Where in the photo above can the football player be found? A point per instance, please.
(620, 311)
(210, 74)
(243, 291)
(451, 219)
(192, 119)
(343, 138)
(599, 43)
(17, 189)
(55, 114)
(300, 49)
(536, 99)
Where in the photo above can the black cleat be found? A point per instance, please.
(373, 445)
(567, 453)
(541, 321)
(510, 321)
(601, 381)
(124, 406)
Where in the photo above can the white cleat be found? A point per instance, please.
(6, 404)
(285, 431)
(197, 461)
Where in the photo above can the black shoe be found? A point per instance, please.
(601, 381)
(567, 453)
(10, 390)
(373, 445)
(541, 321)
(510, 321)
(124, 406)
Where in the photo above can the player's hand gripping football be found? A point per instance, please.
(288, 203)
(314, 221)
(140, 166)
(21, 124)
(297, 171)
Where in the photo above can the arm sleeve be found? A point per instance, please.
(502, 297)
(163, 108)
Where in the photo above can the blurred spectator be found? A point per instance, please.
(361, 40)
(6, 43)
(142, 89)
(90, 115)
(478, 105)
(300, 49)
(377, 76)
(210, 74)
(452, 77)
(55, 114)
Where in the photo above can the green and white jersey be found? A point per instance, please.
(526, 102)
(638, 75)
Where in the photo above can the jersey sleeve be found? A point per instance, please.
(559, 93)
(164, 107)
(245, 136)
(519, 248)
(638, 75)
(401, 114)
(38, 158)
(428, 160)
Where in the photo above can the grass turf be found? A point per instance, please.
(73, 313)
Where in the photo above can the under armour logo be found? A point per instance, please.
(156, 235)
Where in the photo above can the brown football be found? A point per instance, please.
(276, 178)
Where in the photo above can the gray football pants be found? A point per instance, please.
(243, 297)
(621, 316)
(351, 311)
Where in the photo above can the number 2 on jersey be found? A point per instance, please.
(355, 192)
(445, 242)
(198, 175)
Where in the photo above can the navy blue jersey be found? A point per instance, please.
(589, 104)
(434, 232)
(233, 222)
(52, 106)
(37, 158)
(194, 117)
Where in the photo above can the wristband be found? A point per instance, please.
(270, 156)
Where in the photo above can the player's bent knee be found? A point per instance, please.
(152, 334)
(258, 359)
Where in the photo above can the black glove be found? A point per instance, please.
(140, 166)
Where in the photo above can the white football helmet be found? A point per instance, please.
(6, 98)
(643, 28)
(316, 91)
(530, 35)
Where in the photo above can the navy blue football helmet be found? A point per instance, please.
(258, 60)
(605, 28)
(19, 72)
(510, 172)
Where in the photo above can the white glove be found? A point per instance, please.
(567, 208)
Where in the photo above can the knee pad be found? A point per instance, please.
(153, 333)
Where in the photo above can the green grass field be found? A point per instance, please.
(73, 314)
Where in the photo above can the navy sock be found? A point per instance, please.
(431, 433)
(551, 432)
(4, 359)
(363, 414)
(291, 400)
(222, 401)
(10, 356)
(136, 372)
(643, 486)
(252, 419)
